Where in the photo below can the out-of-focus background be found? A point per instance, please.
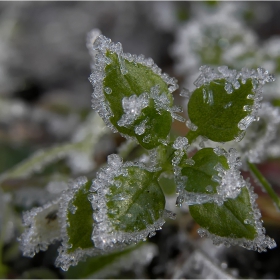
(45, 97)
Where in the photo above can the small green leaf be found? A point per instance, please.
(225, 103)
(131, 94)
(217, 113)
(232, 219)
(129, 201)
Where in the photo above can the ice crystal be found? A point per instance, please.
(133, 107)
(191, 125)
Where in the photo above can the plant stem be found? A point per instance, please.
(264, 183)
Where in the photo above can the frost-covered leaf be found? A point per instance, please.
(131, 94)
(76, 225)
(110, 265)
(128, 203)
(43, 228)
(225, 102)
(221, 201)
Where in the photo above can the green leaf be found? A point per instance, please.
(129, 202)
(227, 220)
(136, 202)
(76, 220)
(203, 171)
(131, 94)
(217, 113)
(225, 102)
(221, 201)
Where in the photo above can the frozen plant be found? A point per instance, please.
(125, 203)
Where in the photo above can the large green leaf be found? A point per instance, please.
(131, 94)
(129, 201)
(216, 113)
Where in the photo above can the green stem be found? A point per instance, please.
(265, 184)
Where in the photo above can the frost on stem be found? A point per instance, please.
(122, 197)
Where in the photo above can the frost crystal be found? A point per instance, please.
(133, 107)
(104, 235)
(180, 145)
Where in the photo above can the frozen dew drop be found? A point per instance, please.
(228, 105)
(140, 129)
(108, 90)
(147, 138)
(179, 201)
(228, 88)
(248, 108)
(209, 188)
(190, 161)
